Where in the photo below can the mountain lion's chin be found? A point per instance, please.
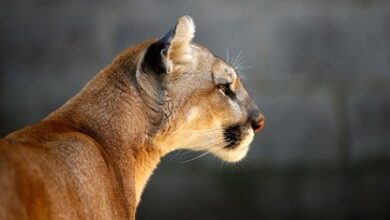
(238, 152)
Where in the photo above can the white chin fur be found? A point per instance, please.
(239, 152)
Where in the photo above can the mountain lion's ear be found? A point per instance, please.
(172, 52)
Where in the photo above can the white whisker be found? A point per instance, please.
(239, 61)
(227, 56)
(196, 130)
(245, 68)
(238, 56)
(205, 145)
(221, 166)
(217, 147)
(239, 65)
(199, 156)
(177, 153)
(236, 59)
(241, 75)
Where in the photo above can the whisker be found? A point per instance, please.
(239, 61)
(239, 65)
(238, 56)
(221, 166)
(190, 131)
(227, 56)
(244, 68)
(200, 130)
(207, 144)
(242, 76)
(199, 156)
(233, 61)
(177, 153)
(202, 145)
(220, 146)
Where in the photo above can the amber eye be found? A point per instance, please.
(225, 89)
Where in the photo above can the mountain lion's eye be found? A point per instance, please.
(225, 89)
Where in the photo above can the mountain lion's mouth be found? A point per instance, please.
(233, 136)
(237, 139)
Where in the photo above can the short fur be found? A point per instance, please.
(91, 158)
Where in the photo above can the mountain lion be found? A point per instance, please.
(91, 158)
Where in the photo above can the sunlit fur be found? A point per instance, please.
(180, 52)
(200, 124)
(92, 157)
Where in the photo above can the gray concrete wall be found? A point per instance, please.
(321, 75)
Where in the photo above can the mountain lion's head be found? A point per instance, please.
(197, 100)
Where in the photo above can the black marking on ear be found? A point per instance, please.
(167, 38)
(152, 60)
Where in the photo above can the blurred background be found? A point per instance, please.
(321, 75)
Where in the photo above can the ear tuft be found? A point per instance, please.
(173, 51)
(185, 29)
(180, 52)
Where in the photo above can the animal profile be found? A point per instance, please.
(92, 157)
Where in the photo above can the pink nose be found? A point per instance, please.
(258, 123)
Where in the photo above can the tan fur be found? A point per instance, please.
(181, 53)
(91, 158)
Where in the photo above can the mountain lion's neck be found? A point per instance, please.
(112, 112)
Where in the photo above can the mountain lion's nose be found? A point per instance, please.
(258, 122)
